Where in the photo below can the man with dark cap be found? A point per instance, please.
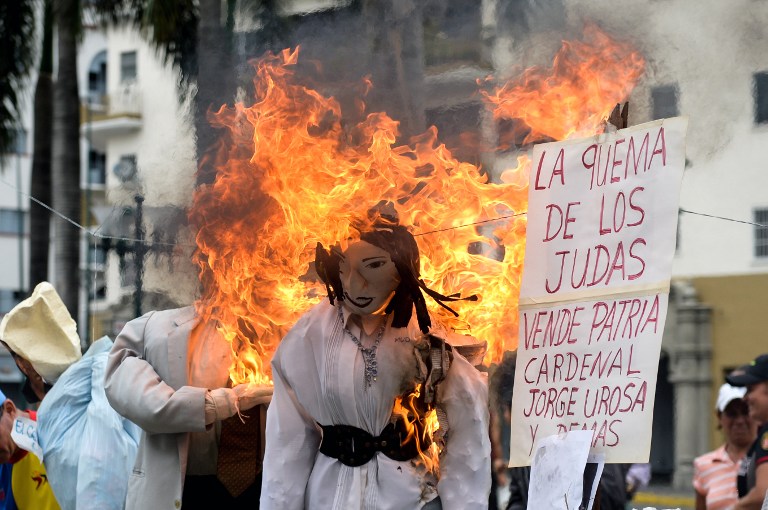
(753, 474)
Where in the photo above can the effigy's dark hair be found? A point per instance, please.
(401, 245)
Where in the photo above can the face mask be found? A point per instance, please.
(369, 278)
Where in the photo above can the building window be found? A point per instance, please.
(98, 255)
(127, 272)
(20, 141)
(664, 101)
(12, 221)
(97, 78)
(97, 290)
(97, 167)
(452, 34)
(127, 66)
(761, 97)
(761, 233)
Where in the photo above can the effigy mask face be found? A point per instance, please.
(368, 276)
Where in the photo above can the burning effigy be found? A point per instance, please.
(352, 361)
(338, 372)
(291, 174)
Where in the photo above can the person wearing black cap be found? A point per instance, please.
(753, 474)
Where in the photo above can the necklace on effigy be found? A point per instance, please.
(369, 353)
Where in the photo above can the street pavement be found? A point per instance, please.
(655, 497)
(662, 497)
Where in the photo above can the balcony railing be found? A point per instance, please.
(114, 114)
(125, 101)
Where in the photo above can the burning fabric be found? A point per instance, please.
(291, 174)
(333, 437)
(361, 371)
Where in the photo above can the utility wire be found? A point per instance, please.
(724, 218)
(85, 229)
(103, 236)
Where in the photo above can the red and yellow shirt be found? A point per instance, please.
(29, 482)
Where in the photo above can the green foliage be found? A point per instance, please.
(17, 47)
(170, 26)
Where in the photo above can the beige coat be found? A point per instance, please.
(146, 381)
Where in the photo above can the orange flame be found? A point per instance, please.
(407, 409)
(573, 97)
(303, 179)
(291, 174)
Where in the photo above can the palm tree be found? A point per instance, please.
(39, 217)
(17, 37)
(171, 26)
(66, 155)
(215, 78)
(56, 151)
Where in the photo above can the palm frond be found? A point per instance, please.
(170, 26)
(17, 47)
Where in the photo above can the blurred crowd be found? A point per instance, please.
(732, 477)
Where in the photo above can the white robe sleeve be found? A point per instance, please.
(292, 443)
(465, 464)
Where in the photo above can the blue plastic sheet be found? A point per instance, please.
(88, 448)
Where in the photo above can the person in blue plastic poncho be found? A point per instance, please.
(87, 447)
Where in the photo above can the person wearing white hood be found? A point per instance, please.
(87, 447)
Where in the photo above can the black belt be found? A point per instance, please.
(354, 447)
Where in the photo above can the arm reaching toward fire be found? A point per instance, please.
(465, 464)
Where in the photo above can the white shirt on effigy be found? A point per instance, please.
(319, 378)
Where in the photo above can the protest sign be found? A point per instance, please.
(24, 434)
(601, 234)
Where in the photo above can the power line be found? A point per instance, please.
(85, 229)
(464, 225)
(471, 224)
(724, 218)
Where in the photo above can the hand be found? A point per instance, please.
(250, 395)
(221, 403)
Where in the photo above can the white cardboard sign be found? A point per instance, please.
(24, 434)
(557, 471)
(601, 234)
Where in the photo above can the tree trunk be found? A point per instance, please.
(66, 159)
(40, 217)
